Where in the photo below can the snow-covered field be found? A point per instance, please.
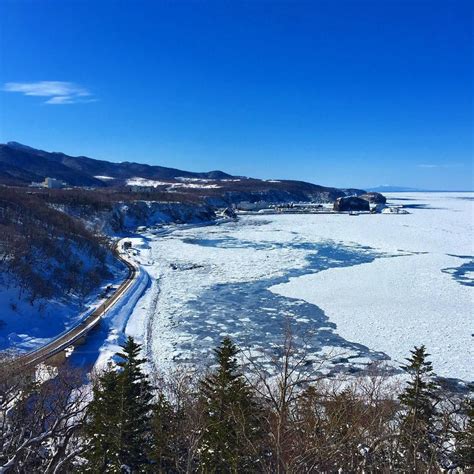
(196, 183)
(368, 286)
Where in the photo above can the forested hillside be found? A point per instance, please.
(47, 252)
(21, 165)
(234, 418)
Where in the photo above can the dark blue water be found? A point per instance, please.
(463, 273)
(256, 318)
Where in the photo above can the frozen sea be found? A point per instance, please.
(364, 288)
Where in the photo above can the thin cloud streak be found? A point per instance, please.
(446, 165)
(59, 92)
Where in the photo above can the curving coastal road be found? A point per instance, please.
(80, 330)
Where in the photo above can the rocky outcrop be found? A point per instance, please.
(129, 216)
(374, 198)
(139, 213)
(351, 203)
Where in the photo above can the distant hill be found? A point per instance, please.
(394, 189)
(20, 165)
(403, 189)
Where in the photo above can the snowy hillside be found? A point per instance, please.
(51, 267)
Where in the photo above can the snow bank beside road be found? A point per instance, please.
(117, 317)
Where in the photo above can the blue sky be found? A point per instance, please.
(343, 93)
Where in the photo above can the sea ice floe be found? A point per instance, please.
(371, 286)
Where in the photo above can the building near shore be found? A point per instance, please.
(52, 183)
(49, 183)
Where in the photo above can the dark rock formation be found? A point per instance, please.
(351, 203)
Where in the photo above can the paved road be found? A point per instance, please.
(79, 331)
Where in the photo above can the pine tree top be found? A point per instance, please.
(129, 357)
(420, 392)
(418, 361)
(226, 355)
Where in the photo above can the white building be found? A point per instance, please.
(52, 183)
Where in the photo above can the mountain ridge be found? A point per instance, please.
(92, 167)
(405, 189)
(20, 165)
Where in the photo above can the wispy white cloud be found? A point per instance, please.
(440, 165)
(58, 92)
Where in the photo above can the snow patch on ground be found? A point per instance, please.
(146, 182)
(104, 178)
(118, 320)
(200, 184)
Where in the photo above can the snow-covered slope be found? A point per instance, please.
(51, 268)
(27, 324)
(127, 216)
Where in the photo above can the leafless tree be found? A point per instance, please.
(279, 377)
(40, 417)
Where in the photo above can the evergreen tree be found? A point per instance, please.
(102, 426)
(419, 399)
(230, 436)
(135, 395)
(119, 416)
(165, 448)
